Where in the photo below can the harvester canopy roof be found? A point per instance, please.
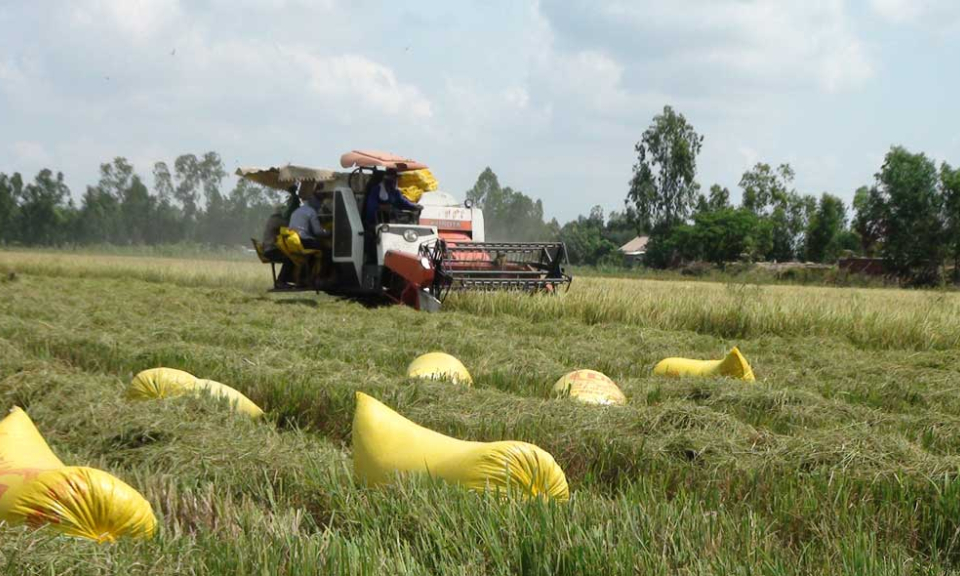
(281, 178)
(373, 158)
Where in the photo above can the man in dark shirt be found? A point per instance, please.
(293, 202)
(382, 189)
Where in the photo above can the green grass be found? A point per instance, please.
(743, 272)
(841, 459)
(870, 318)
(179, 251)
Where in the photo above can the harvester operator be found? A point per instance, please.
(382, 189)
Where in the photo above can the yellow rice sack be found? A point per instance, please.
(733, 366)
(414, 183)
(38, 490)
(159, 383)
(385, 444)
(590, 387)
(289, 243)
(439, 366)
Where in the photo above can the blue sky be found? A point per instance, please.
(552, 95)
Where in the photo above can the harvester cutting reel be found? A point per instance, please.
(487, 266)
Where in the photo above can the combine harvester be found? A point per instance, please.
(413, 257)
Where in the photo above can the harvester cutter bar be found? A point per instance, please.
(532, 266)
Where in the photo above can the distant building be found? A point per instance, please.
(861, 265)
(634, 251)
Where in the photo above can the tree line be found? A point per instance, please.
(910, 216)
(187, 204)
(512, 215)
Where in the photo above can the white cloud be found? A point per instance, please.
(244, 95)
(139, 20)
(760, 42)
(784, 42)
(941, 16)
(272, 5)
(30, 153)
(590, 76)
(553, 98)
(352, 82)
(351, 77)
(847, 66)
(943, 12)
(13, 80)
(898, 10)
(8, 72)
(516, 96)
(749, 155)
(475, 109)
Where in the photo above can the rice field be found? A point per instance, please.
(842, 458)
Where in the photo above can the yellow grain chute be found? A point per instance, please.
(386, 444)
(439, 366)
(589, 387)
(733, 366)
(158, 383)
(37, 489)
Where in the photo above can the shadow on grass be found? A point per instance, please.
(367, 301)
(312, 303)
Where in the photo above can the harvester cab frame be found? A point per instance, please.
(388, 259)
(410, 257)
